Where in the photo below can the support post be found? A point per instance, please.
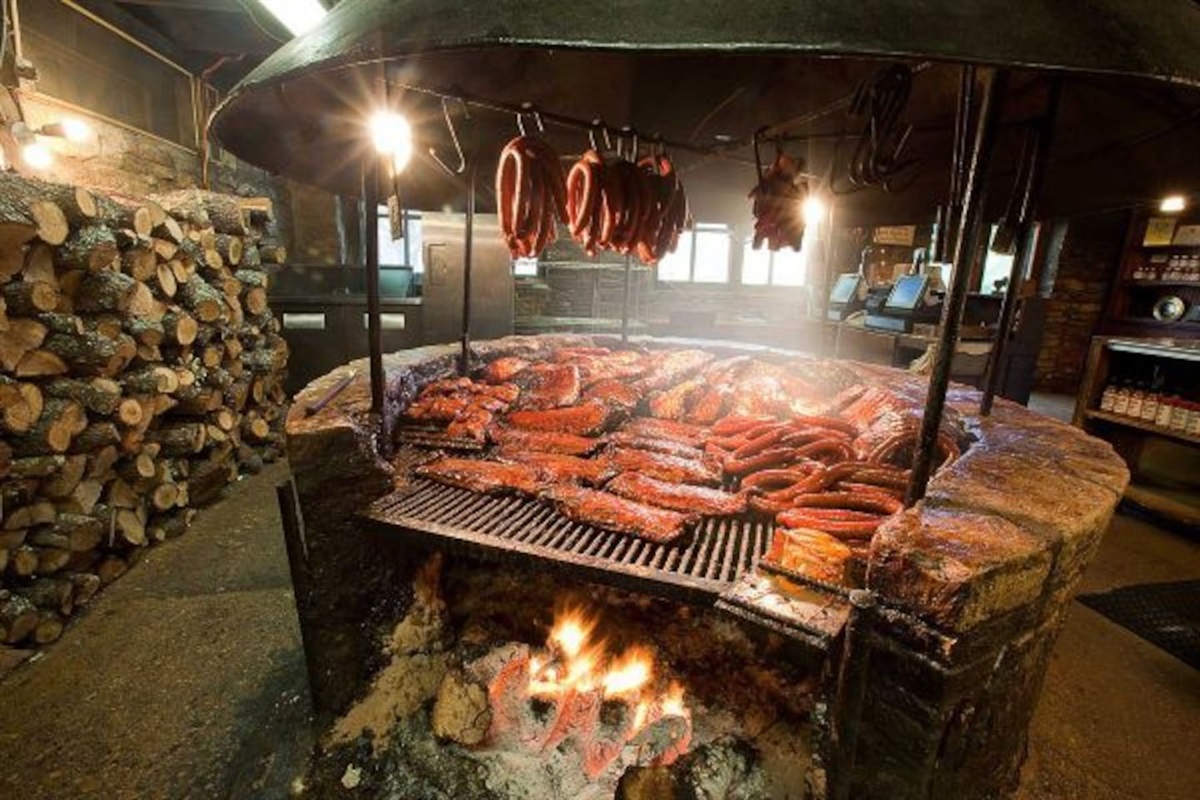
(374, 326)
(626, 289)
(1032, 195)
(464, 358)
(995, 83)
(853, 670)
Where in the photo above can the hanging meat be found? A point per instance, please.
(779, 204)
(530, 195)
(636, 208)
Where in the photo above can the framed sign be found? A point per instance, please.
(1159, 231)
(1187, 235)
(902, 235)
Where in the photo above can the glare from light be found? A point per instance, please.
(392, 136)
(37, 156)
(1172, 204)
(814, 210)
(76, 130)
(298, 16)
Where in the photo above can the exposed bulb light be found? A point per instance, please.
(37, 156)
(76, 130)
(814, 210)
(392, 136)
(298, 16)
(72, 129)
(1172, 204)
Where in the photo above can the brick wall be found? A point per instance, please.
(1079, 276)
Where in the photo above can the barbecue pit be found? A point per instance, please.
(921, 686)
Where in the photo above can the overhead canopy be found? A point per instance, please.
(710, 73)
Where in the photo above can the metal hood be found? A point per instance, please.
(667, 66)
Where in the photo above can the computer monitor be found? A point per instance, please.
(845, 289)
(907, 294)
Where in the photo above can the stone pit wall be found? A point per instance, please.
(971, 586)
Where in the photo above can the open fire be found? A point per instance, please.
(577, 694)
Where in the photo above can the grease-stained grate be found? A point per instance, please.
(700, 567)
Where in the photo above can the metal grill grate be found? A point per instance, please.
(716, 554)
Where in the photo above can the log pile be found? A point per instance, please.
(140, 372)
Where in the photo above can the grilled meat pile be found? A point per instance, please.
(648, 443)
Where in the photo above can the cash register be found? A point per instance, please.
(905, 305)
(847, 296)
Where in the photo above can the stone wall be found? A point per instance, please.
(1080, 276)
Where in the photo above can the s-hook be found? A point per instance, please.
(528, 109)
(462, 159)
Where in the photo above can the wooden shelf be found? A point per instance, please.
(1172, 503)
(1140, 424)
(1160, 284)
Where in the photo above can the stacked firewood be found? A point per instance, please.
(140, 372)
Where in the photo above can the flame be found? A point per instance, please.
(672, 702)
(576, 663)
(629, 673)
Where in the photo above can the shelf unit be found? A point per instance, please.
(1160, 459)
(1128, 311)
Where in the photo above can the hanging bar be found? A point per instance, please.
(995, 82)
(625, 299)
(464, 358)
(1033, 192)
(374, 326)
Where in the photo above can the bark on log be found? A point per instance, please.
(29, 298)
(98, 395)
(180, 327)
(92, 249)
(60, 485)
(21, 403)
(151, 380)
(96, 436)
(205, 210)
(90, 353)
(18, 618)
(53, 431)
(202, 300)
(179, 439)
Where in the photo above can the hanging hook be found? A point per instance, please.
(462, 159)
(757, 156)
(528, 109)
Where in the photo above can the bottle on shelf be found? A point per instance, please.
(1150, 403)
(1166, 407)
(1193, 419)
(1136, 398)
(1179, 416)
(1121, 400)
(1108, 398)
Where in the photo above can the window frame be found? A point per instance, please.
(408, 216)
(731, 235)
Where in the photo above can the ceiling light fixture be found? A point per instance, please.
(814, 210)
(1172, 204)
(298, 16)
(392, 136)
(37, 156)
(72, 129)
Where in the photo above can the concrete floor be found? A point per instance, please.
(185, 679)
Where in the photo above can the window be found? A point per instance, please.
(702, 256)
(525, 267)
(786, 267)
(405, 252)
(85, 64)
(996, 266)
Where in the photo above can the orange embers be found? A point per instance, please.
(579, 696)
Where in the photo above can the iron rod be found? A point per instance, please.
(625, 299)
(464, 358)
(374, 326)
(1032, 195)
(302, 591)
(995, 82)
(853, 670)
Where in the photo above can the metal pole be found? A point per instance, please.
(374, 327)
(995, 82)
(625, 299)
(853, 670)
(464, 359)
(1029, 203)
(958, 167)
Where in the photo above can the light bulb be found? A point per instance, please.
(37, 156)
(1172, 204)
(814, 210)
(392, 136)
(76, 130)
